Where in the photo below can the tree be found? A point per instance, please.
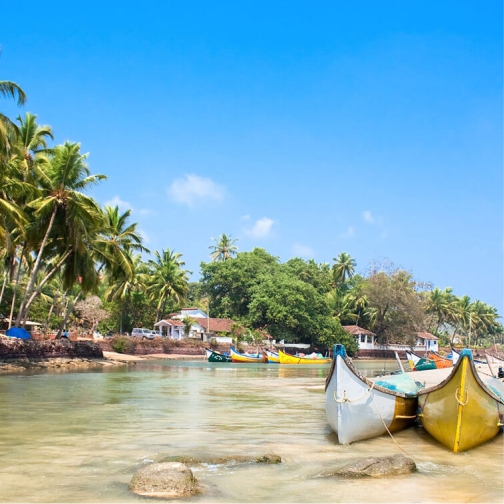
(8, 130)
(343, 268)
(168, 281)
(224, 248)
(188, 323)
(90, 312)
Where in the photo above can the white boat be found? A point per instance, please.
(358, 408)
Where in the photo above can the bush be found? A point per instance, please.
(121, 344)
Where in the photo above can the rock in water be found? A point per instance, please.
(167, 480)
(378, 467)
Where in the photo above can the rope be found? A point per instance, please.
(457, 397)
(346, 399)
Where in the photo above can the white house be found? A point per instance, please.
(173, 329)
(189, 312)
(427, 342)
(365, 339)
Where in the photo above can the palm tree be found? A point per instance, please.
(343, 268)
(8, 130)
(62, 212)
(224, 248)
(168, 281)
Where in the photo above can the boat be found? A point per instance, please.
(286, 358)
(272, 356)
(418, 363)
(456, 354)
(214, 356)
(358, 408)
(246, 358)
(462, 411)
(441, 362)
(495, 364)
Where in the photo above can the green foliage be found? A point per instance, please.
(338, 335)
(122, 344)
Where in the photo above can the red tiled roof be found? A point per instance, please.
(427, 336)
(185, 309)
(215, 324)
(354, 329)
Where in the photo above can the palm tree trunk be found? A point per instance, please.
(38, 290)
(36, 267)
(67, 314)
(3, 287)
(16, 287)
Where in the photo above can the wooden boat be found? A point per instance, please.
(272, 357)
(358, 408)
(418, 363)
(214, 356)
(286, 358)
(462, 411)
(456, 354)
(441, 362)
(246, 358)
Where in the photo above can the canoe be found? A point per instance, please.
(418, 363)
(358, 408)
(246, 358)
(441, 362)
(462, 411)
(214, 356)
(272, 357)
(286, 358)
(456, 355)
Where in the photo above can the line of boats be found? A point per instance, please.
(461, 412)
(266, 356)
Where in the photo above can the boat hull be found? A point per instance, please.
(213, 356)
(293, 359)
(440, 361)
(461, 412)
(418, 363)
(243, 358)
(357, 408)
(272, 357)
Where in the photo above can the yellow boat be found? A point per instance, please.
(294, 359)
(462, 411)
(248, 358)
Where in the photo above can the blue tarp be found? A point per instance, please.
(18, 332)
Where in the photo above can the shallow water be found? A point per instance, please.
(80, 437)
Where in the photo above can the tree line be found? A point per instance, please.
(67, 261)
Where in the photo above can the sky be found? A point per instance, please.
(304, 128)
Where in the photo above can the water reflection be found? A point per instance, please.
(79, 437)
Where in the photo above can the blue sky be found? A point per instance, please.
(305, 128)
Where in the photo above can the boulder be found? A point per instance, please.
(167, 480)
(377, 467)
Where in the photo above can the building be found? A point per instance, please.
(365, 339)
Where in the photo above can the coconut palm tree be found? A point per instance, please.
(168, 281)
(8, 130)
(64, 215)
(224, 248)
(343, 268)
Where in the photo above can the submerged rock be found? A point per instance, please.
(230, 459)
(168, 480)
(377, 467)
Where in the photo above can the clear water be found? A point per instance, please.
(80, 437)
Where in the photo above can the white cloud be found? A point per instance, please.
(368, 217)
(117, 201)
(145, 237)
(350, 232)
(146, 212)
(194, 189)
(303, 251)
(261, 228)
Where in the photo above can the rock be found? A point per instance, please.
(269, 459)
(168, 480)
(231, 459)
(377, 467)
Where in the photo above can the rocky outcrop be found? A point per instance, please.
(167, 480)
(15, 349)
(376, 467)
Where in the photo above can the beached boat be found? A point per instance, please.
(272, 357)
(418, 363)
(286, 358)
(246, 358)
(456, 354)
(214, 356)
(358, 408)
(462, 411)
(441, 362)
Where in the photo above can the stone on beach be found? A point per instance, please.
(168, 480)
(268, 458)
(377, 467)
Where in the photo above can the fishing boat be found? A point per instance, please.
(358, 408)
(214, 356)
(462, 411)
(272, 356)
(456, 354)
(246, 358)
(286, 358)
(418, 363)
(441, 362)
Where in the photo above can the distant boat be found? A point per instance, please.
(456, 354)
(441, 362)
(462, 411)
(272, 356)
(358, 408)
(418, 363)
(246, 358)
(286, 358)
(214, 356)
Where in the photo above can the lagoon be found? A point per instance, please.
(80, 437)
